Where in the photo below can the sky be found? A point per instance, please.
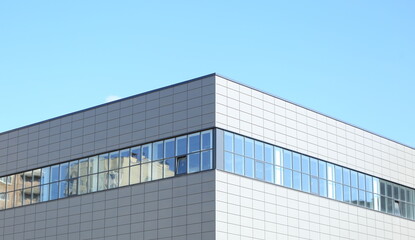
(351, 60)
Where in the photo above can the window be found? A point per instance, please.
(194, 142)
(181, 165)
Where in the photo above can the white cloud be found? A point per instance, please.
(111, 98)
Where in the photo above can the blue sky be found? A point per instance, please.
(352, 60)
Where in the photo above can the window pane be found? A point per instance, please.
(44, 179)
(83, 185)
(239, 165)
(146, 153)
(259, 170)
(269, 153)
(339, 174)
(207, 139)
(376, 202)
(113, 179)
(207, 160)
(249, 148)
(388, 189)
(157, 169)
(287, 176)
(181, 165)
(287, 159)
(239, 145)
(369, 200)
(169, 167)
(346, 194)
(83, 167)
(64, 171)
(158, 150)
(228, 141)
(194, 142)
(124, 158)
(389, 205)
(18, 198)
(229, 162)
(305, 164)
(28, 176)
(27, 196)
(331, 190)
(353, 179)
(296, 162)
(135, 172)
(314, 185)
(73, 169)
(103, 162)
(396, 192)
(194, 162)
(135, 155)
(278, 175)
(54, 173)
(2, 201)
(362, 181)
(305, 182)
(354, 195)
(259, 150)
(369, 183)
(114, 160)
(249, 167)
(402, 194)
(72, 187)
(269, 172)
(9, 200)
(339, 192)
(44, 196)
(102, 181)
(330, 172)
(146, 172)
(19, 181)
(323, 187)
(313, 167)
(322, 169)
(296, 180)
(169, 148)
(382, 187)
(63, 189)
(181, 145)
(93, 183)
(346, 176)
(10, 187)
(54, 191)
(93, 165)
(376, 186)
(383, 203)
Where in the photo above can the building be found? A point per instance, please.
(207, 158)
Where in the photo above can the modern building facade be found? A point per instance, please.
(208, 158)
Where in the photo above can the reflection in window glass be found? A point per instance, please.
(181, 145)
(19, 180)
(376, 202)
(239, 145)
(44, 179)
(287, 159)
(314, 185)
(331, 191)
(135, 155)
(339, 192)
(278, 156)
(389, 205)
(169, 167)
(249, 167)
(27, 179)
(330, 172)
(83, 185)
(9, 200)
(83, 167)
(113, 179)
(323, 188)
(388, 190)
(305, 164)
(54, 173)
(353, 179)
(296, 180)
(63, 171)
(269, 153)
(322, 169)
(93, 165)
(44, 196)
(239, 164)
(259, 170)
(124, 177)
(354, 195)
(362, 198)
(194, 162)
(369, 183)
(346, 176)
(278, 175)
(169, 148)
(369, 200)
(93, 183)
(395, 192)
(18, 198)
(259, 150)
(135, 172)
(114, 160)
(146, 153)
(207, 139)
(63, 189)
(146, 172)
(73, 169)
(313, 167)
(181, 165)
(296, 162)
(228, 142)
(72, 187)
(124, 158)
(27, 196)
(194, 142)
(362, 181)
(339, 174)
(103, 181)
(249, 148)
(157, 169)
(269, 172)
(158, 150)
(346, 194)
(36, 177)
(103, 162)
(207, 162)
(305, 182)
(229, 162)
(287, 176)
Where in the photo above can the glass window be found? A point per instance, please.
(169, 148)
(313, 167)
(44, 179)
(113, 179)
(402, 193)
(135, 155)
(287, 176)
(314, 185)
(36, 192)
(18, 198)
(239, 165)
(396, 208)
(194, 142)
(93, 183)
(229, 162)
(331, 190)
(296, 162)
(362, 181)
(63, 189)
(296, 180)
(346, 176)
(124, 158)
(354, 195)
(114, 160)
(19, 180)
(339, 192)
(330, 172)
(346, 194)
(323, 187)
(194, 162)
(27, 176)
(44, 196)
(389, 205)
(103, 162)
(181, 145)
(305, 182)
(305, 164)
(207, 160)
(239, 145)
(103, 181)
(36, 177)
(26, 196)
(72, 187)
(369, 183)
(83, 167)
(83, 185)
(207, 139)
(383, 204)
(278, 156)
(269, 172)
(169, 167)
(9, 200)
(146, 153)
(73, 169)
(369, 200)
(287, 159)
(146, 172)
(322, 169)
(249, 167)
(54, 173)
(339, 174)
(388, 189)
(259, 150)
(157, 170)
(278, 175)
(259, 170)
(396, 192)
(135, 174)
(228, 142)
(93, 165)
(181, 165)
(269, 153)
(353, 179)
(376, 202)
(382, 187)
(63, 171)
(158, 150)
(249, 148)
